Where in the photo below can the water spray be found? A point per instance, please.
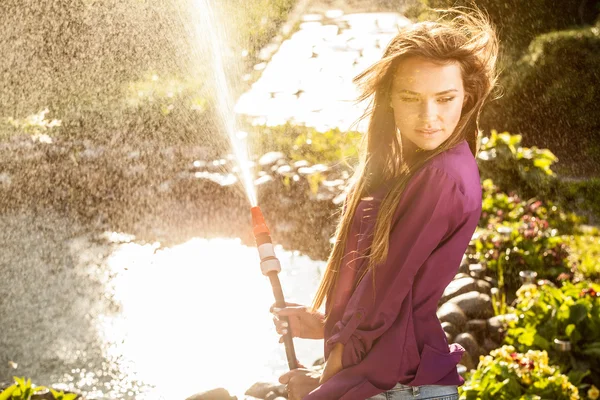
(270, 267)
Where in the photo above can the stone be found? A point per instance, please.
(491, 281)
(452, 313)
(450, 330)
(271, 158)
(449, 337)
(475, 305)
(458, 286)
(497, 325)
(261, 389)
(477, 270)
(483, 286)
(464, 267)
(467, 361)
(489, 345)
(467, 341)
(461, 275)
(213, 394)
(478, 328)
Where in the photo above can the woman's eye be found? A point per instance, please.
(447, 99)
(410, 99)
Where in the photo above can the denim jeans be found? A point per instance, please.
(425, 392)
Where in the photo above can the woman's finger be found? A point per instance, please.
(287, 304)
(293, 310)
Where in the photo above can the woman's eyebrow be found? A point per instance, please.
(415, 93)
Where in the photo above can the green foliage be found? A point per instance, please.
(35, 125)
(554, 102)
(259, 21)
(519, 21)
(581, 194)
(498, 207)
(304, 143)
(62, 396)
(528, 244)
(21, 390)
(585, 253)
(514, 167)
(571, 312)
(507, 375)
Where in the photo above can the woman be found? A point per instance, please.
(408, 218)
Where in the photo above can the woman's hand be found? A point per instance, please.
(302, 323)
(300, 382)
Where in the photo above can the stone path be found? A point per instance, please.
(307, 79)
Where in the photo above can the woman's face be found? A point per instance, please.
(427, 99)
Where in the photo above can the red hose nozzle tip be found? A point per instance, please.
(258, 222)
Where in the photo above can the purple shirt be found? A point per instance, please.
(397, 337)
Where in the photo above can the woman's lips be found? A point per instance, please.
(428, 132)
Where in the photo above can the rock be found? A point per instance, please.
(270, 158)
(456, 287)
(467, 341)
(461, 275)
(214, 394)
(491, 281)
(489, 345)
(464, 267)
(273, 396)
(5, 180)
(449, 337)
(452, 313)
(477, 270)
(450, 329)
(301, 163)
(474, 304)
(262, 389)
(285, 170)
(483, 286)
(320, 168)
(467, 361)
(478, 328)
(263, 179)
(497, 325)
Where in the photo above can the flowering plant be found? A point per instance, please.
(529, 244)
(507, 374)
(567, 314)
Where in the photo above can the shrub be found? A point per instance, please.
(506, 374)
(304, 143)
(514, 167)
(552, 97)
(571, 312)
(498, 207)
(519, 21)
(530, 244)
(585, 253)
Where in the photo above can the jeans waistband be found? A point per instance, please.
(430, 390)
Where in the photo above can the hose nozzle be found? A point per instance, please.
(258, 222)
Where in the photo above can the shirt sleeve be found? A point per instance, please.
(429, 210)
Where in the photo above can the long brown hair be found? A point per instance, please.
(465, 37)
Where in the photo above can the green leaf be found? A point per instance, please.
(7, 393)
(569, 329)
(578, 312)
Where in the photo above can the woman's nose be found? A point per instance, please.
(428, 111)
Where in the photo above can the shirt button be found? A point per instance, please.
(359, 315)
